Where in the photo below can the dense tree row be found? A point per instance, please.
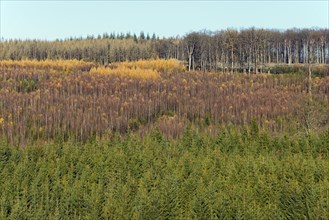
(44, 103)
(256, 49)
(247, 50)
(233, 175)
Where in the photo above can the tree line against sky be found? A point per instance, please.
(248, 50)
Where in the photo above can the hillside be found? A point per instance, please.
(149, 139)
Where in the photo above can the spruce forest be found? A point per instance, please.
(230, 124)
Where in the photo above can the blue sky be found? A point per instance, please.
(62, 19)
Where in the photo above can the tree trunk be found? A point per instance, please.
(277, 53)
(189, 61)
(232, 56)
(309, 87)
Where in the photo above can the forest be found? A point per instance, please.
(250, 50)
(212, 125)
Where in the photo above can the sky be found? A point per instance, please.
(49, 20)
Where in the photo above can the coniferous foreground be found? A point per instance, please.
(236, 174)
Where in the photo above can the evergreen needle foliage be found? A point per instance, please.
(229, 176)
